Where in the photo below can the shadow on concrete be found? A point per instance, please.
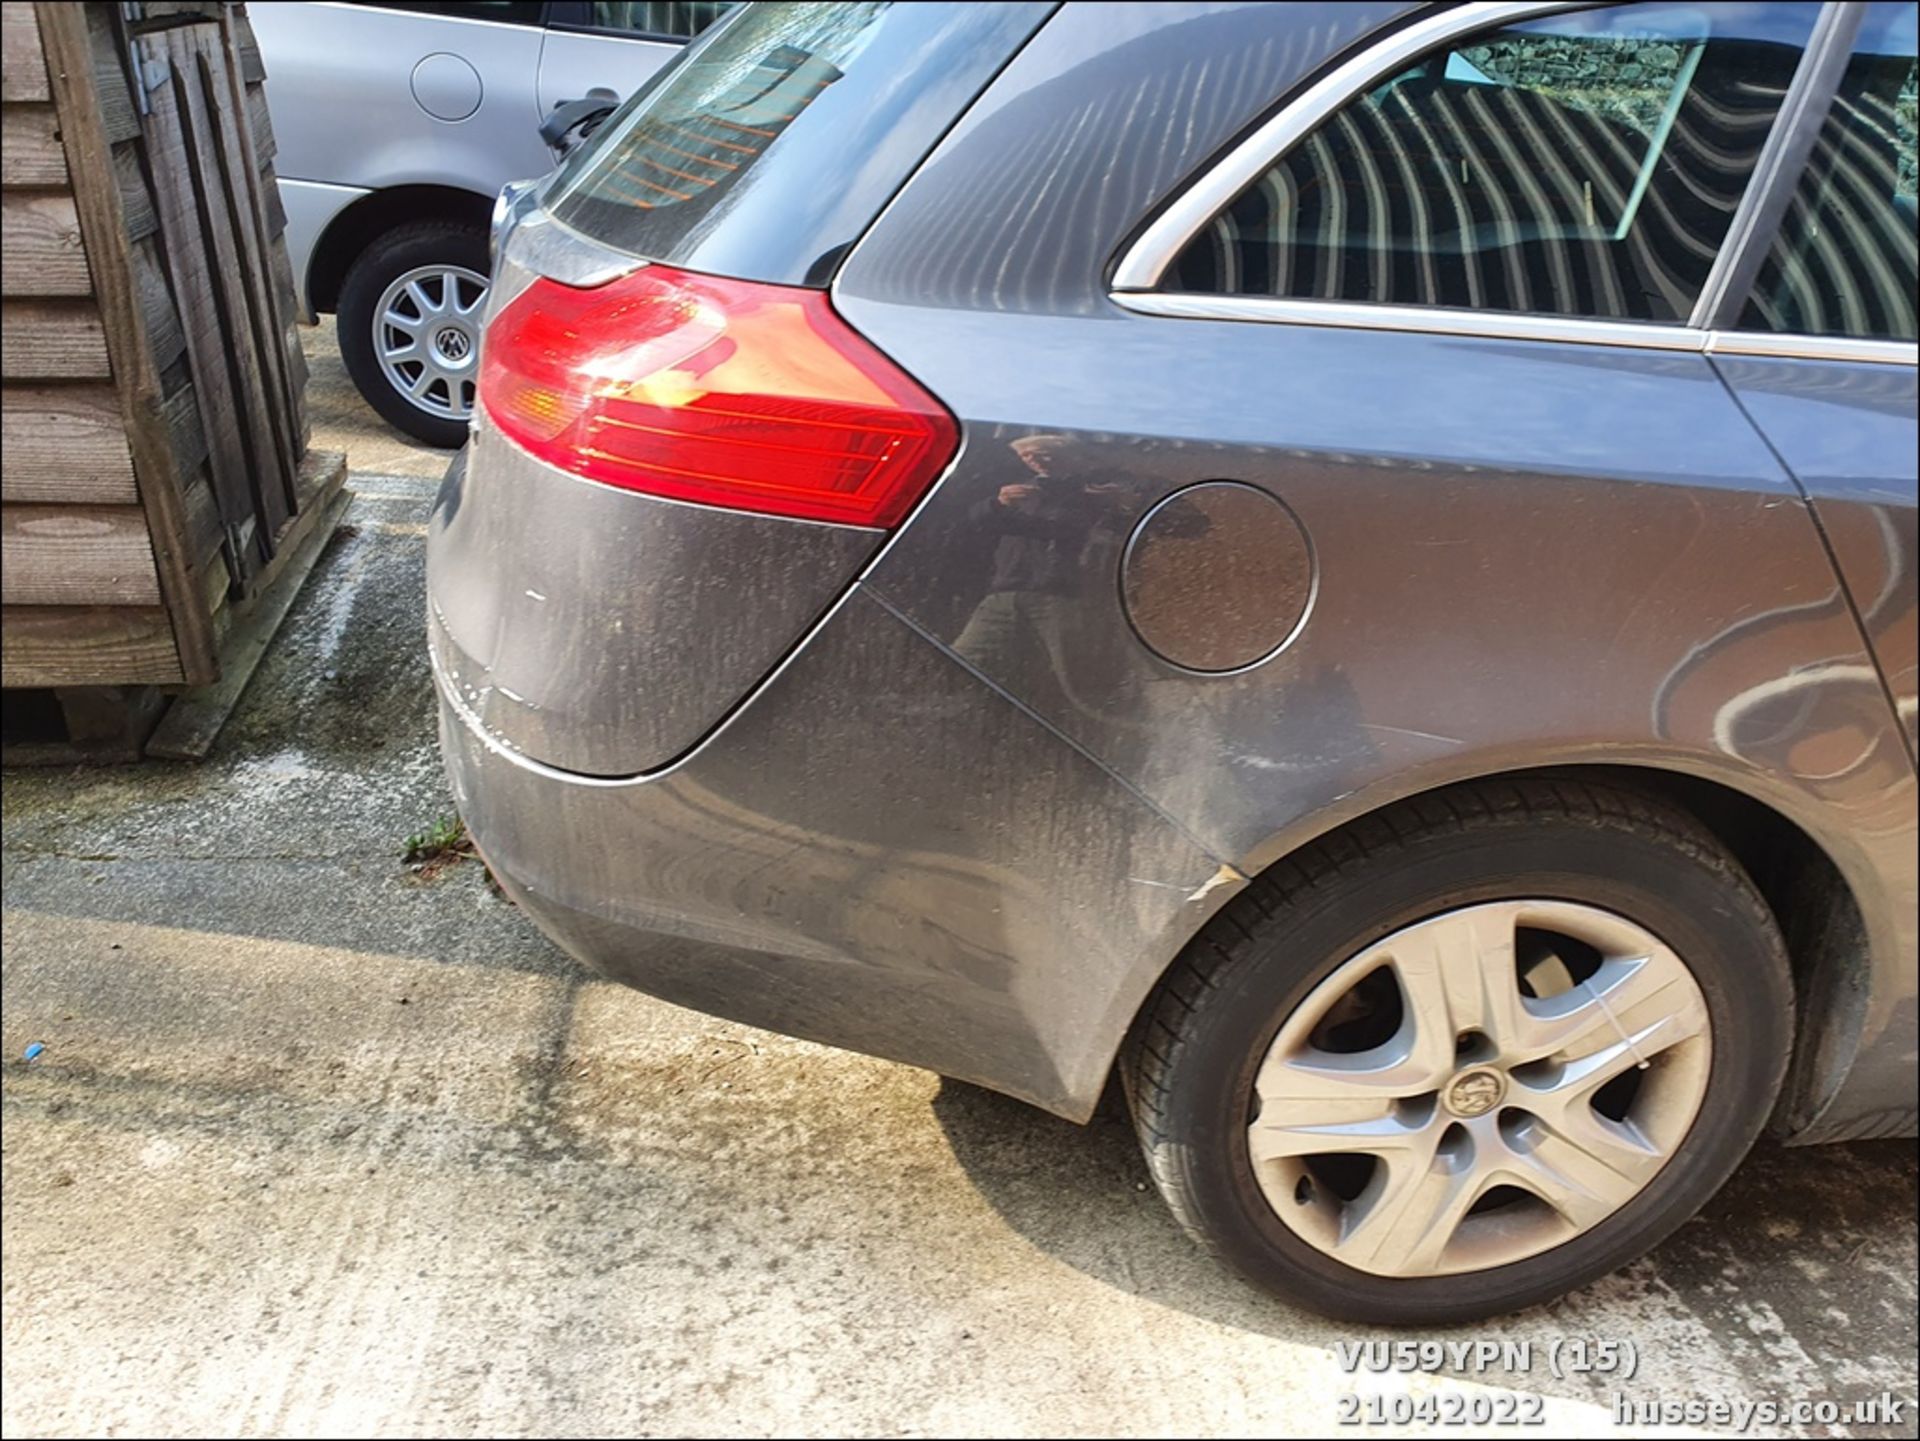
(1812, 1243)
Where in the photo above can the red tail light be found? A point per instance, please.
(724, 392)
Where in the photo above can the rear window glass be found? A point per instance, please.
(774, 142)
(1585, 164)
(1844, 262)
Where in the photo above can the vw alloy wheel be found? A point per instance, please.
(426, 338)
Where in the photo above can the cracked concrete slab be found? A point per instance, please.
(319, 1146)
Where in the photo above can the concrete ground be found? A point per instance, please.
(343, 421)
(319, 1145)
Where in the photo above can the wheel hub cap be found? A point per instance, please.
(426, 332)
(1479, 1087)
(1474, 1093)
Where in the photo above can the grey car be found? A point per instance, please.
(397, 123)
(1349, 567)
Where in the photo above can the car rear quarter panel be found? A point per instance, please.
(339, 81)
(1529, 553)
(873, 851)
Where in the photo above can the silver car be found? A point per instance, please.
(1349, 566)
(397, 124)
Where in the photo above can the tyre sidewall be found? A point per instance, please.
(1734, 955)
(390, 255)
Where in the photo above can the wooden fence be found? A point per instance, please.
(155, 475)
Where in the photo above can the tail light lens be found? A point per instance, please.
(723, 392)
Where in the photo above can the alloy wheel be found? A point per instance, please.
(426, 337)
(1479, 1087)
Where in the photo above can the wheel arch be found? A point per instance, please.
(1817, 908)
(358, 225)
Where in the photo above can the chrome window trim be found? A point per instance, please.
(1813, 347)
(1503, 325)
(1422, 319)
(1147, 259)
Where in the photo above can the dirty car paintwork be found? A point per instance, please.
(871, 852)
(562, 657)
(1530, 552)
(969, 819)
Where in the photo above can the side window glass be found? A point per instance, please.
(1582, 164)
(682, 18)
(1844, 260)
(508, 12)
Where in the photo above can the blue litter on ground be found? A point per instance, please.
(34, 1050)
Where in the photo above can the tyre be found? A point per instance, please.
(1467, 1054)
(409, 323)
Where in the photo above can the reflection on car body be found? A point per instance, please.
(1350, 566)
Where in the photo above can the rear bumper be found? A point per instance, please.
(875, 851)
(604, 631)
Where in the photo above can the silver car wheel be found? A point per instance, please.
(1479, 1087)
(426, 336)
